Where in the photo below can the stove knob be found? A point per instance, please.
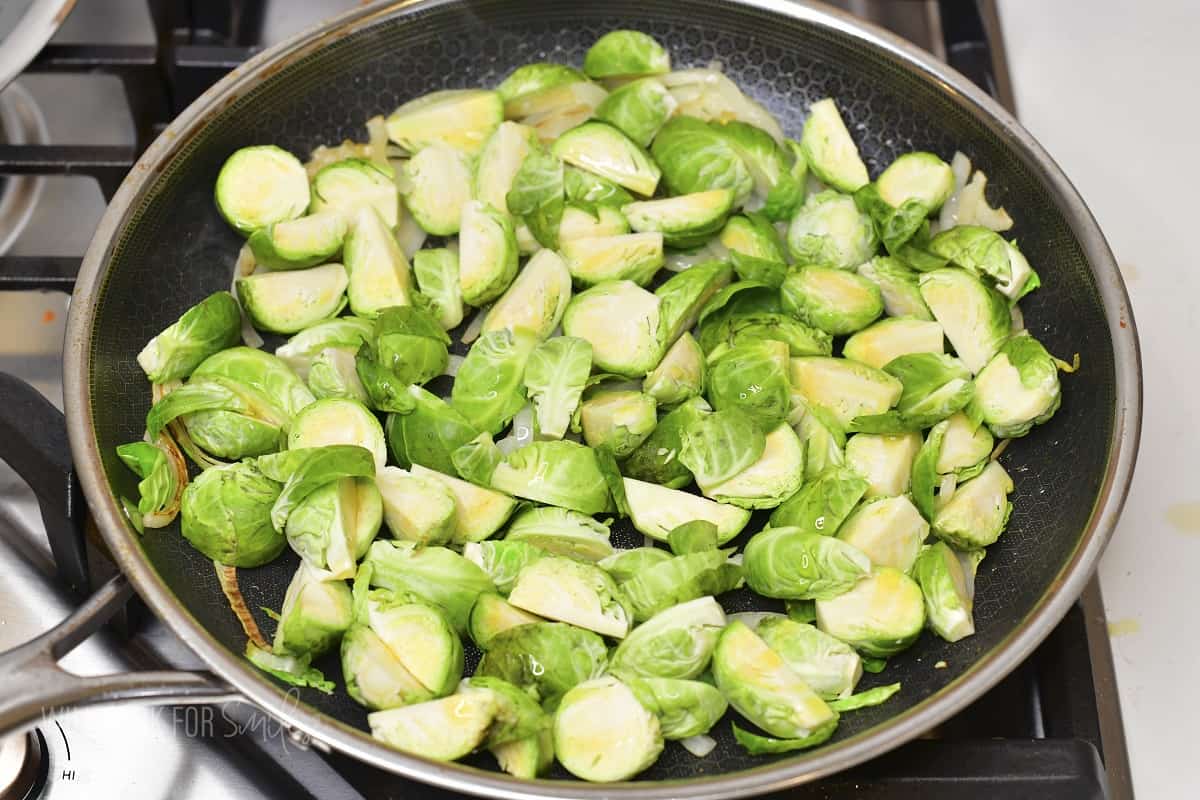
(23, 766)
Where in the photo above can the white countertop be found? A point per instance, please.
(1111, 89)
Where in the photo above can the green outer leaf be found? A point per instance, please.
(436, 575)
(157, 487)
(567, 475)
(607, 464)
(203, 395)
(924, 470)
(585, 188)
(758, 745)
(979, 250)
(555, 376)
(801, 610)
(696, 536)
(720, 445)
(792, 564)
(873, 664)
(870, 697)
(748, 378)
(289, 669)
(429, 433)
(680, 579)
(206, 328)
(656, 460)
(915, 253)
(545, 658)
(476, 460)
(489, 388)
(537, 195)
(304, 470)
(824, 504)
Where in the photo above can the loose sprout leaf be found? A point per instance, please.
(537, 195)
(873, 664)
(693, 537)
(718, 446)
(294, 670)
(871, 697)
(206, 328)
(757, 745)
(157, 487)
(801, 610)
(554, 378)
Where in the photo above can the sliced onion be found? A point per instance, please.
(967, 204)
(752, 619)
(522, 426)
(162, 517)
(453, 364)
(999, 449)
(377, 140)
(699, 746)
(508, 444)
(736, 558)
(946, 490)
(410, 235)
(245, 265)
(709, 95)
(969, 561)
(680, 260)
(227, 577)
(1018, 319)
(475, 327)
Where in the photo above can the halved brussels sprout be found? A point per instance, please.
(680, 374)
(1018, 388)
(489, 390)
(439, 184)
(917, 176)
(579, 222)
(975, 515)
(299, 243)
(846, 388)
(830, 152)
(625, 565)
(333, 527)
(261, 372)
(696, 157)
(421, 639)
(638, 109)
(375, 677)
(561, 532)
(333, 374)
(316, 612)
(823, 436)
(877, 345)
(571, 591)
(777, 191)
(336, 421)
(206, 328)
(974, 316)
(527, 758)
(342, 333)
(792, 564)
(829, 230)
(949, 600)
(889, 531)
(675, 643)
(632, 256)
(679, 579)
(656, 510)
(801, 339)
(622, 53)
(621, 321)
(751, 378)
(753, 235)
(351, 186)
(379, 272)
(555, 377)
(231, 435)
(898, 285)
(462, 118)
(416, 509)
(822, 505)
(830, 667)
(502, 560)
(683, 296)
(288, 302)
(882, 615)
(444, 729)
(964, 447)
(435, 575)
(479, 512)
(764, 689)
(492, 615)
(258, 186)
(532, 78)
(618, 420)
(685, 220)
(885, 461)
(428, 431)
(684, 708)
(503, 154)
(770, 480)
(602, 733)
(545, 658)
(657, 459)
(225, 513)
(487, 253)
(600, 148)
(536, 300)
(563, 474)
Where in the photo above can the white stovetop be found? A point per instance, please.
(1111, 89)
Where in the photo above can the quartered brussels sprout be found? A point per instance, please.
(598, 222)
(751, 378)
(530, 79)
(685, 295)
(777, 191)
(753, 235)
(343, 333)
(621, 321)
(617, 420)
(948, 591)
(487, 253)
(738, 299)
(479, 512)
(823, 504)
(657, 510)
(772, 478)
(226, 515)
(916, 176)
(489, 390)
(375, 676)
(603, 733)
(536, 300)
(830, 668)
(793, 564)
(898, 286)
(935, 386)
(684, 221)
(823, 436)
(518, 716)
(974, 316)
(545, 658)
(333, 527)
(964, 448)
(684, 708)
(303, 471)
(760, 685)
(828, 149)
(502, 560)
(438, 179)
(571, 591)
(600, 148)
(1018, 388)
(562, 532)
(882, 615)
(461, 118)
(679, 376)
(336, 421)
(416, 509)
(656, 460)
(556, 110)
(760, 326)
(492, 615)
(536, 196)
(334, 374)
(379, 272)
(638, 109)
(436, 271)
(679, 579)
(563, 474)
(675, 643)
(502, 156)
(590, 189)
(349, 187)
(527, 758)
(623, 53)
(981, 251)
(846, 388)
(975, 515)
(299, 243)
(630, 256)
(881, 343)
(624, 565)
(436, 575)
(697, 157)
(693, 537)
(410, 344)
(206, 328)
(288, 302)
(442, 729)
(261, 185)
(884, 461)
(555, 377)
(889, 531)
(829, 230)
(420, 637)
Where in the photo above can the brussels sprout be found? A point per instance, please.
(656, 460)
(230, 435)
(561, 532)
(898, 286)
(975, 515)
(822, 505)
(735, 300)
(264, 374)
(753, 235)
(287, 302)
(527, 758)
(1023, 280)
(974, 316)
(159, 490)
(479, 512)
(333, 527)
(545, 658)
(774, 477)
(764, 689)
(917, 176)
(684, 295)
(680, 374)
(631, 256)
(680, 579)
(206, 328)
(684, 221)
(591, 189)
(437, 277)
(443, 730)
(882, 615)
(885, 461)
(623, 53)
(420, 637)
(707, 94)
(352, 186)
(536, 196)
(935, 386)
(428, 432)
(896, 227)
(570, 591)
(828, 149)
(696, 157)
(979, 250)
(752, 378)
(416, 509)
(603, 733)
(315, 613)
(436, 575)
(224, 418)
(630, 347)
(829, 230)
(563, 474)
(343, 333)
(492, 615)
(624, 565)
(1018, 388)
(597, 222)
(776, 189)
(638, 109)
(830, 668)
(684, 708)
(823, 436)
(295, 670)
(846, 388)
(656, 510)
(461, 118)
(693, 537)
(487, 261)
(533, 78)
(336, 421)
(948, 599)
(675, 643)
(877, 345)
(555, 376)
(556, 110)
(759, 326)
(502, 156)
(299, 243)
(536, 300)
(489, 388)
(226, 515)
(438, 179)
(618, 421)
(518, 715)
(333, 374)
(964, 447)
(303, 471)
(790, 563)
(889, 531)
(502, 560)
(375, 676)
(718, 446)
(600, 148)
(261, 185)
(379, 272)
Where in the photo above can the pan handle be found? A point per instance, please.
(37, 688)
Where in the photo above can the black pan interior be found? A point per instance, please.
(175, 249)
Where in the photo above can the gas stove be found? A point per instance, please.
(70, 127)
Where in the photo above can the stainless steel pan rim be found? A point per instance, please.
(259, 690)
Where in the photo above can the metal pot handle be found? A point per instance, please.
(36, 687)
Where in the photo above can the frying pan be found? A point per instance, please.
(162, 246)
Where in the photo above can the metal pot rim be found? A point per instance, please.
(259, 690)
